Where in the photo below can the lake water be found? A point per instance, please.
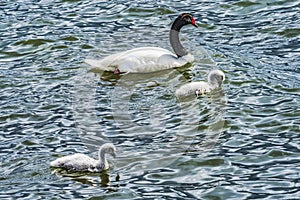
(241, 142)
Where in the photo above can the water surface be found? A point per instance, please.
(241, 142)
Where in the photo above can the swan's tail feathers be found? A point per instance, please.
(54, 163)
(96, 64)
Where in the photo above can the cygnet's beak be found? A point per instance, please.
(114, 155)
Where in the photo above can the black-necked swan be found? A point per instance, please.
(150, 59)
(214, 80)
(80, 162)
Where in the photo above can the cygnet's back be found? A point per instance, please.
(215, 79)
(81, 162)
(76, 162)
(191, 88)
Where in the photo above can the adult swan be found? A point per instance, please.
(150, 59)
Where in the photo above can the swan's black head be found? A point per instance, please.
(187, 18)
(182, 20)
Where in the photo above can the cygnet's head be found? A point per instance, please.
(216, 78)
(108, 148)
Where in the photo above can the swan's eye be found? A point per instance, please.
(188, 19)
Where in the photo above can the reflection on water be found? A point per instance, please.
(97, 180)
(143, 112)
(241, 142)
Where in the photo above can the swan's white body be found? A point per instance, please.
(150, 59)
(215, 79)
(81, 162)
(141, 60)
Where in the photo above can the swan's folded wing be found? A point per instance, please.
(139, 60)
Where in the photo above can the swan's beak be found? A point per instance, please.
(194, 23)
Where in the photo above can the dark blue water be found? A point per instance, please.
(241, 142)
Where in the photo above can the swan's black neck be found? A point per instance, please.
(174, 38)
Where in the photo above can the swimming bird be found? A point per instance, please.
(214, 80)
(150, 59)
(80, 162)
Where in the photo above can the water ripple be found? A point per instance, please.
(239, 143)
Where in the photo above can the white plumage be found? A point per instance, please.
(215, 80)
(150, 59)
(141, 60)
(81, 162)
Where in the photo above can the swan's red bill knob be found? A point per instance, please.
(194, 22)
